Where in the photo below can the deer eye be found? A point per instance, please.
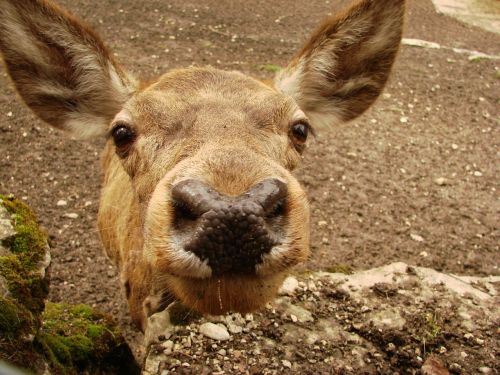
(298, 134)
(123, 136)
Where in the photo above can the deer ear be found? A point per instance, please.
(60, 67)
(345, 64)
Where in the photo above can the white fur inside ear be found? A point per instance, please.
(288, 80)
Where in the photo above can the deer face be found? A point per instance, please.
(198, 199)
(209, 154)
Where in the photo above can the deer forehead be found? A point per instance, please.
(208, 98)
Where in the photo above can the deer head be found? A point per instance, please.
(198, 200)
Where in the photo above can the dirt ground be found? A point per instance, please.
(415, 179)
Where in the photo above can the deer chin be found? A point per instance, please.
(220, 295)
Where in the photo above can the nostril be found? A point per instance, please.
(277, 210)
(182, 211)
(271, 195)
(191, 199)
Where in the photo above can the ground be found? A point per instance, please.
(415, 179)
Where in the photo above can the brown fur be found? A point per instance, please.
(223, 128)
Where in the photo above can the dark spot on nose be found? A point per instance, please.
(231, 233)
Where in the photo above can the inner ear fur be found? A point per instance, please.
(60, 67)
(345, 64)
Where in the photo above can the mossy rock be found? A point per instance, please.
(78, 339)
(38, 335)
(24, 285)
(23, 266)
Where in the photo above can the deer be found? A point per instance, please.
(199, 203)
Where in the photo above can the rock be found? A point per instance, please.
(61, 203)
(403, 119)
(6, 229)
(158, 324)
(359, 314)
(215, 331)
(441, 181)
(40, 336)
(71, 215)
(302, 315)
(416, 237)
(289, 286)
(434, 366)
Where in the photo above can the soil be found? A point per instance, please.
(423, 191)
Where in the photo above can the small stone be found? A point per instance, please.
(286, 363)
(469, 336)
(454, 146)
(485, 370)
(478, 174)
(480, 341)
(234, 328)
(61, 203)
(289, 286)
(463, 355)
(168, 346)
(416, 237)
(302, 314)
(442, 350)
(322, 223)
(222, 352)
(9, 114)
(215, 331)
(403, 120)
(424, 254)
(71, 215)
(294, 318)
(441, 181)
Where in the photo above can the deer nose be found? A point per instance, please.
(230, 233)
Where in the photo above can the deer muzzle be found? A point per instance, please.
(231, 234)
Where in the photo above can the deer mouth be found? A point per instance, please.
(229, 293)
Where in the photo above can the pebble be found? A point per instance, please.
(477, 173)
(454, 146)
(234, 328)
(71, 215)
(441, 181)
(61, 203)
(403, 120)
(289, 286)
(215, 331)
(485, 370)
(416, 237)
(286, 363)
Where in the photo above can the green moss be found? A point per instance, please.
(340, 268)
(94, 331)
(12, 318)
(27, 287)
(77, 337)
(28, 247)
(269, 68)
(29, 241)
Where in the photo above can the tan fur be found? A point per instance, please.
(222, 128)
